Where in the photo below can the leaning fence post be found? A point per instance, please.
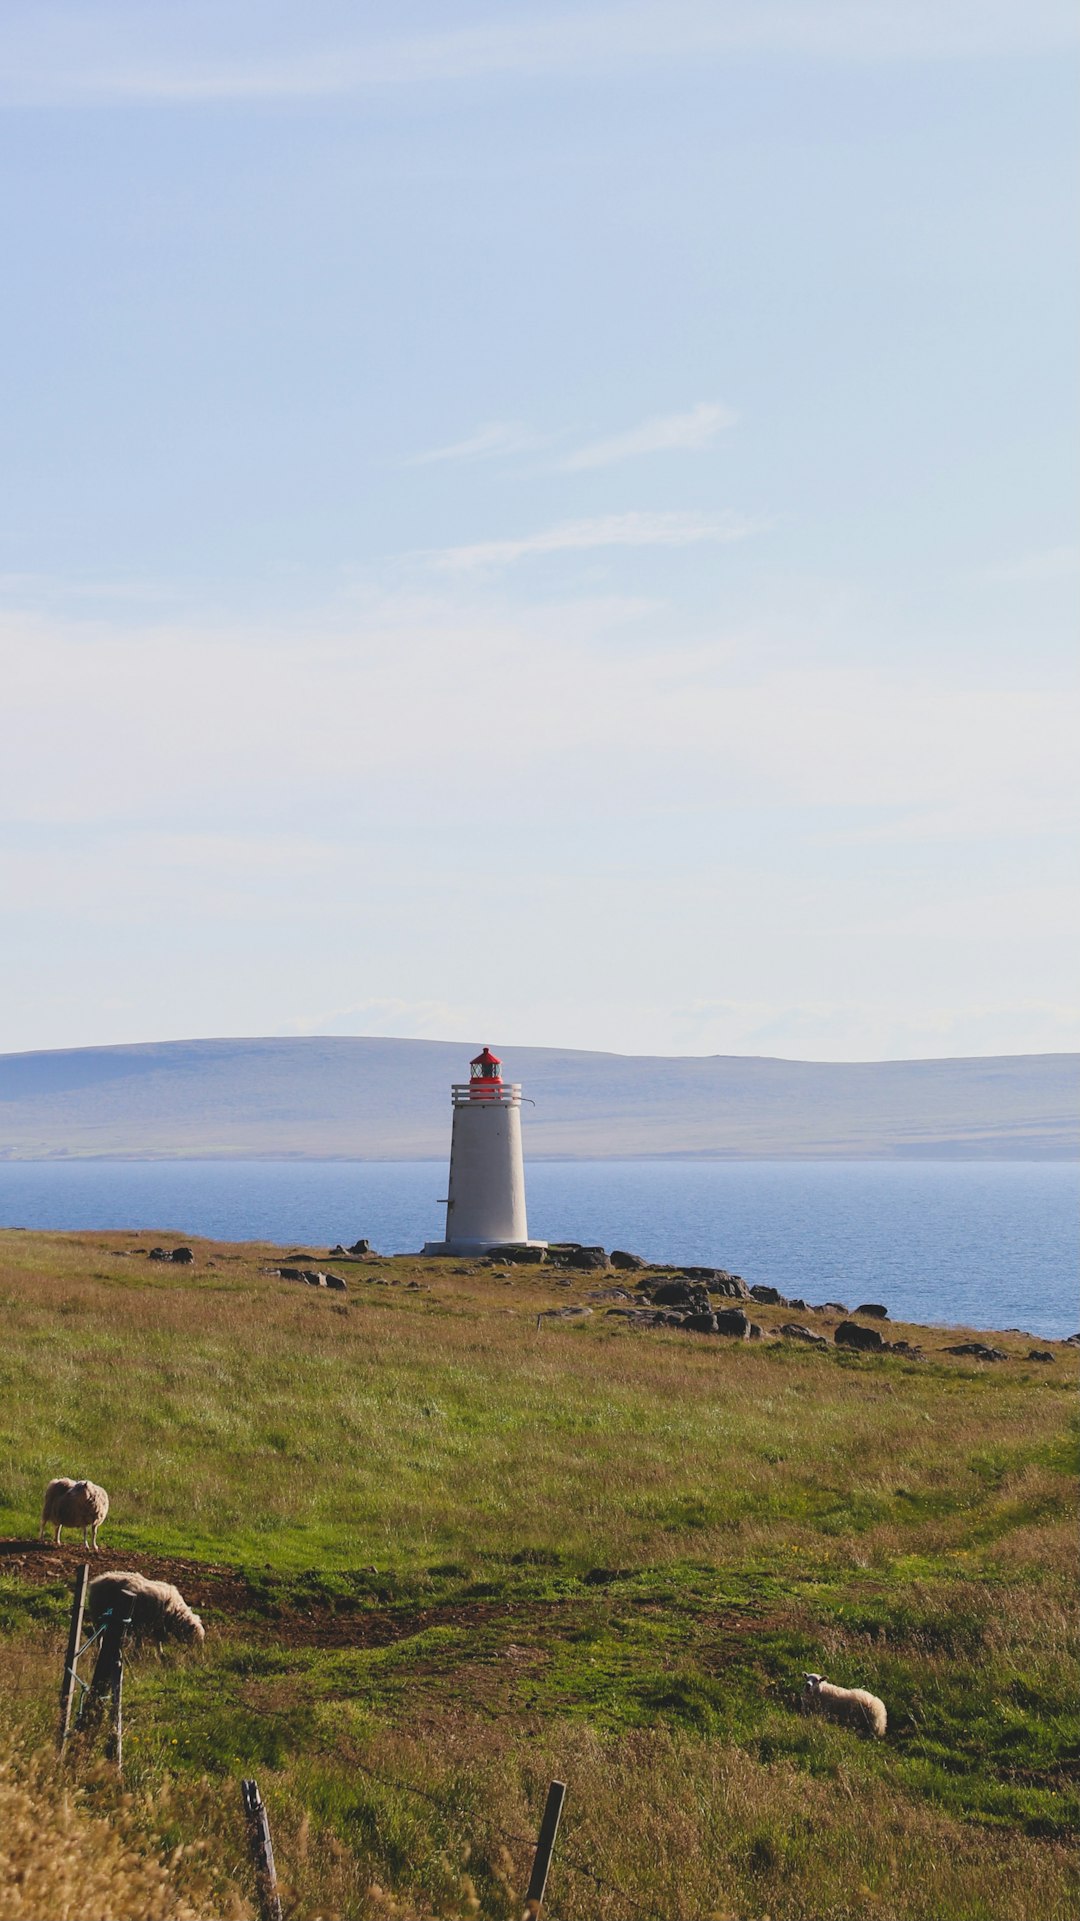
(67, 1684)
(262, 1852)
(545, 1848)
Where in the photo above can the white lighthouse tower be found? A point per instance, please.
(486, 1204)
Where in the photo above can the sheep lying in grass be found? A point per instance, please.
(852, 1706)
(157, 1608)
(74, 1504)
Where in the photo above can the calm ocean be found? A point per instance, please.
(979, 1244)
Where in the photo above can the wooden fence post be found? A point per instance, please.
(114, 1746)
(108, 1667)
(545, 1848)
(67, 1684)
(262, 1852)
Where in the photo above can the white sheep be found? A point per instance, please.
(852, 1706)
(157, 1608)
(74, 1504)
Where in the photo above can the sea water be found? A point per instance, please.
(991, 1244)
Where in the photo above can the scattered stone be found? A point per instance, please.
(339, 1253)
(341, 1286)
(183, 1256)
(978, 1351)
(904, 1347)
(289, 1273)
(609, 1294)
(851, 1334)
(768, 1297)
(313, 1277)
(1040, 1354)
(875, 1308)
(795, 1332)
(565, 1313)
(681, 1294)
(620, 1258)
(160, 1254)
(586, 1257)
(361, 1247)
(732, 1320)
(700, 1323)
(517, 1254)
(755, 1332)
(832, 1307)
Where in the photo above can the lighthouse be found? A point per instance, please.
(486, 1197)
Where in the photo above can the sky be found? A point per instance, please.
(549, 522)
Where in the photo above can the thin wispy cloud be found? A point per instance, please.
(131, 52)
(604, 530)
(1052, 563)
(497, 438)
(664, 433)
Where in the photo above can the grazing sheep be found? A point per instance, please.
(74, 1504)
(157, 1608)
(853, 1706)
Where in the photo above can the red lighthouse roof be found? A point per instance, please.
(485, 1066)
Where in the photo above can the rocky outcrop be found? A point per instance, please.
(874, 1309)
(976, 1351)
(795, 1332)
(853, 1334)
(620, 1258)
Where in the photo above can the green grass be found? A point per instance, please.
(589, 1551)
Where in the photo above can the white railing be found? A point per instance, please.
(486, 1094)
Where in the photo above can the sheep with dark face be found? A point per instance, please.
(74, 1504)
(157, 1609)
(853, 1707)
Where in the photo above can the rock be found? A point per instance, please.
(339, 1253)
(978, 1351)
(359, 1247)
(729, 1286)
(795, 1332)
(875, 1308)
(183, 1256)
(768, 1297)
(609, 1294)
(681, 1294)
(1040, 1354)
(801, 1307)
(290, 1273)
(160, 1254)
(620, 1258)
(586, 1257)
(732, 1320)
(313, 1277)
(1071, 1340)
(700, 1323)
(565, 1313)
(342, 1286)
(904, 1347)
(831, 1307)
(754, 1332)
(517, 1254)
(852, 1334)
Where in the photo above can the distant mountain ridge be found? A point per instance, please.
(324, 1098)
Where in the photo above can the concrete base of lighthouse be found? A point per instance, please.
(470, 1249)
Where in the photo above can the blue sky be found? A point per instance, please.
(550, 522)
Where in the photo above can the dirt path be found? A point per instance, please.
(226, 1595)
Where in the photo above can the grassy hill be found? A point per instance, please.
(444, 1554)
(388, 1100)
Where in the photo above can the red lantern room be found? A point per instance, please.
(485, 1077)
